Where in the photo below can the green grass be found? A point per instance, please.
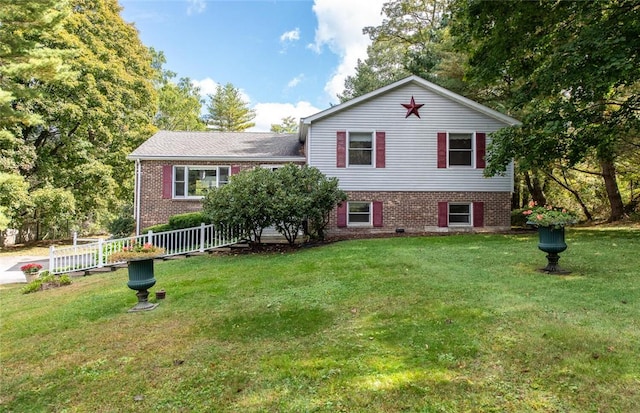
(437, 324)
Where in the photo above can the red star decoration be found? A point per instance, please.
(412, 108)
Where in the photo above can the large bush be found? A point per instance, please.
(246, 201)
(304, 200)
(291, 198)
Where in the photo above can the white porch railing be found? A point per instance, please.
(178, 242)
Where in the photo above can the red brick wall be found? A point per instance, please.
(156, 210)
(417, 212)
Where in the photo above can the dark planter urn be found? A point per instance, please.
(552, 242)
(140, 280)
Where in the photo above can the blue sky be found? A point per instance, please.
(288, 57)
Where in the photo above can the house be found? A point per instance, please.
(409, 155)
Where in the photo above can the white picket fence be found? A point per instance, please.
(82, 257)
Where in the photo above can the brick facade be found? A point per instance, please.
(413, 212)
(417, 212)
(156, 210)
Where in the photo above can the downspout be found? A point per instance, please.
(137, 184)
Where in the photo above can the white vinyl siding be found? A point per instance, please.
(411, 144)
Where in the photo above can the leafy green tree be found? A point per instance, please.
(53, 211)
(412, 39)
(15, 202)
(568, 70)
(78, 92)
(179, 104)
(227, 111)
(30, 63)
(179, 107)
(288, 125)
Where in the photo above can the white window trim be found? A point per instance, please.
(360, 224)
(460, 224)
(271, 167)
(473, 150)
(186, 179)
(373, 149)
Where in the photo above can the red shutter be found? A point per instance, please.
(443, 214)
(342, 215)
(442, 149)
(478, 214)
(380, 149)
(481, 143)
(167, 181)
(341, 149)
(235, 169)
(377, 213)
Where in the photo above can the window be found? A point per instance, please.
(272, 168)
(359, 213)
(460, 149)
(360, 148)
(459, 214)
(194, 181)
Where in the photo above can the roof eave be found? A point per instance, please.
(424, 83)
(133, 157)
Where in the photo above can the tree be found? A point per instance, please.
(15, 203)
(568, 70)
(179, 104)
(227, 111)
(73, 123)
(179, 107)
(288, 125)
(412, 39)
(30, 63)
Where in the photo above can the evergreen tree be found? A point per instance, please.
(228, 112)
(288, 125)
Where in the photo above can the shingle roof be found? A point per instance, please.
(219, 145)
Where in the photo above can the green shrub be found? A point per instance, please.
(124, 224)
(518, 219)
(188, 220)
(46, 279)
(157, 228)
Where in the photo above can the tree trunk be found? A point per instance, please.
(535, 189)
(611, 185)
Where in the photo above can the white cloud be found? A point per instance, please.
(290, 36)
(272, 113)
(295, 81)
(207, 86)
(340, 25)
(196, 6)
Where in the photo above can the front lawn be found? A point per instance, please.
(433, 324)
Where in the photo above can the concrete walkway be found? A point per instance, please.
(10, 267)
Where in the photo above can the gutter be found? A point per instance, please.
(136, 197)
